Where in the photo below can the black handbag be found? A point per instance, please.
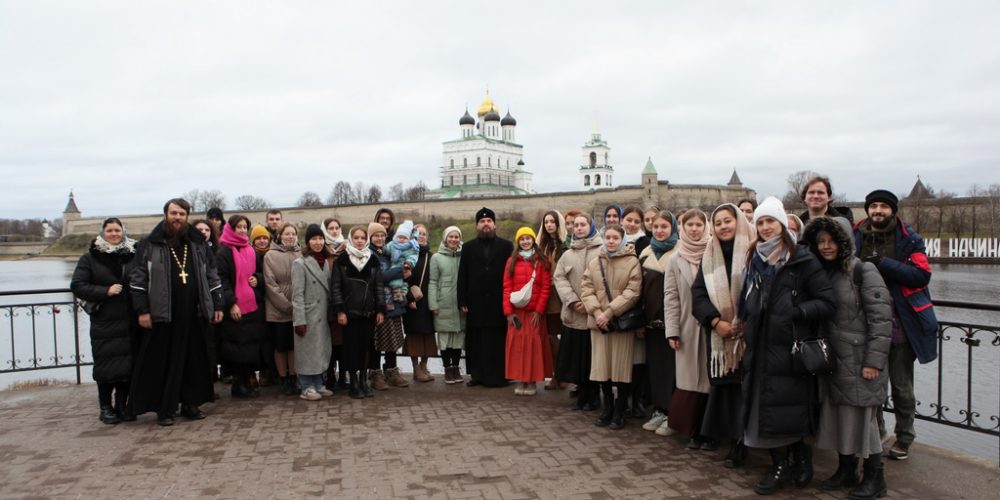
(633, 319)
(812, 356)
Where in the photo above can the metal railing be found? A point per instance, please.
(955, 374)
(46, 320)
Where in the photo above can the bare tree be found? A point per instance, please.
(359, 193)
(211, 199)
(340, 194)
(374, 194)
(309, 199)
(193, 197)
(396, 192)
(415, 192)
(250, 202)
(796, 182)
(993, 205)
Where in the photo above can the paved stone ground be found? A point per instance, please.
(427, 441)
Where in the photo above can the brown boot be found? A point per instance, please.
(395, 379)
(419, 375)
(378, 381)
(427, 373)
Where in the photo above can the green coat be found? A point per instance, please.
(442, 293)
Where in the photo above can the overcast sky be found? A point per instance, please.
(129, 103)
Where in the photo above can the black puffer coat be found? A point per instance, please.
(359, 294)
(419, 320)
(113, 325)
(797, 301)
(246, 341)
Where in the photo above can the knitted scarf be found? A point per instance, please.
(359, 258)
(245, 262)
(691, 251)
(724, 292)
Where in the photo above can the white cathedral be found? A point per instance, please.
(486, 160)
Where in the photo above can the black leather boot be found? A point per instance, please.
(191, 412)
(241, 388)
(109, 415)
(873, 484)
(618, 417)
(846, 475)
(121, 406)
(737, 454)
(802, 464)
(354, 390)
(779, 474)
(365, 384)
(609, 405)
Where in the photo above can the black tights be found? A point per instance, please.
(105, 389)
(390, 359)
(450, 357)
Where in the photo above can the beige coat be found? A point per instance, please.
(692, 358)
(278, 282)
(611, 353)
(567, 277)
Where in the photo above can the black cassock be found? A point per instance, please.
(172, 364)
(480, 288)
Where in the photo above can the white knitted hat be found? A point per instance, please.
(771, 207)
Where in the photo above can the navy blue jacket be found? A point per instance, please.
(907, 277)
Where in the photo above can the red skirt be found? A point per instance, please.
(529, 356)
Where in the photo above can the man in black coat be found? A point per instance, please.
(480, 295)
(176, 292)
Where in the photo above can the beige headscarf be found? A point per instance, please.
(724, 291)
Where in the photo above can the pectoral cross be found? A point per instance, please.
(183, 276)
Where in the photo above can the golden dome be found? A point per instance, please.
(486, 106)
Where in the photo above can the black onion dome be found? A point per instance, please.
(466, 119)
(492, 116)
(508, 120)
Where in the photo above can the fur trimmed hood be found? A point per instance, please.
(842, 233)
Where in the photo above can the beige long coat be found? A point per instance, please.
(567, 277)
(611, 353)
(692, 358)
(278, 282)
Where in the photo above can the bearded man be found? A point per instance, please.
(480, 296)
(899, 253)
(176, 292)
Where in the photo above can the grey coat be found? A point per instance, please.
(861, 327)
(442, 290)
(310, 296)
(149, 278)
(860, 333)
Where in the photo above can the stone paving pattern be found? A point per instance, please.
(427, 441)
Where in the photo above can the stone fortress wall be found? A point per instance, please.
(529, 207)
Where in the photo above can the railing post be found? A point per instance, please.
(76, 337)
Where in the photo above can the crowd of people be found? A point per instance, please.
(747, 326)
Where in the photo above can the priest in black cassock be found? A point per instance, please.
(480, 295)
(176, 292)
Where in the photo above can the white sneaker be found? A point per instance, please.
(664, 430)
(310, 394)
(323, 391)
(655, 422)
(530, 389)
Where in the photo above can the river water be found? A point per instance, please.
(957, 282)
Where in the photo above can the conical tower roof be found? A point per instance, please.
(71, 205)
(735, 179)
(649, 168)
(919, 190)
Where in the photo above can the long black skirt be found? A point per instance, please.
(171, 368)
(722, 412)
(687, 412)
(485, 351)
(661, 367)
(358, 337)
(573, 364)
